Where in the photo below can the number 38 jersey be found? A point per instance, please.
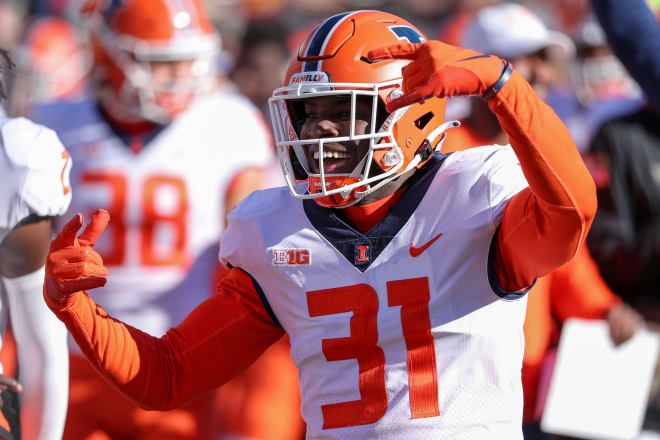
(35, 173)
(166, 200)
(402, 332)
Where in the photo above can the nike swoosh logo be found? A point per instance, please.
(416, 251)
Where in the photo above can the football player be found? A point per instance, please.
(400, 274)
(168, 155)
(51, 64)
(35, 187)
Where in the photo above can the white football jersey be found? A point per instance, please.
(35, 173)
(166, 200)
(402, 332)
(34, 170)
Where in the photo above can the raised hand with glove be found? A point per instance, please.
(561, 192)
(441, 70)
(72, 264)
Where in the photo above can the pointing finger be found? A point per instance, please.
(67, 235)
(95, 228)
(398, 51)
(416, 95)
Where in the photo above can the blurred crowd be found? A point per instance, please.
(558, 45)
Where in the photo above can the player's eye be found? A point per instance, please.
(342, 114)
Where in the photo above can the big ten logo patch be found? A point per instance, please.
(291, 257)
(362, 253)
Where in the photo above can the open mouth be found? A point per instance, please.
(332, 155)
(334, 161)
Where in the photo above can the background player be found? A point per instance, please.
(168, 154)
(405, 309)
(35, 187)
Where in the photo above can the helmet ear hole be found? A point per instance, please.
(381, 113)
(423, 120)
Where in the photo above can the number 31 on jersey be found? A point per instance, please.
(412, 295)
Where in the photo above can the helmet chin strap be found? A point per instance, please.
(440, 131)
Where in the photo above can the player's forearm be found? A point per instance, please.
(215, 342)
(547, 153)
(542, 227)
(119, 352)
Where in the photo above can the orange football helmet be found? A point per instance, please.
(129, 36)
(51, 65)
(332, 61)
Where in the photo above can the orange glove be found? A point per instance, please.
(72, 265)
(439, 69)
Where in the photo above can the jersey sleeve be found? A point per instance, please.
(243, 234)
(219, 339)
(544, 225)
(36, 167)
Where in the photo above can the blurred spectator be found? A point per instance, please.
(634, 34)
(603, 88)
(563, 15)
(35, 188)
(317, 8)
(426, 14)
(262, 62)
(263, 9)
(11, 24)
(598, 74)
(625, 236)
(453, 29)
(513, 32)
(168, 154)
(34, 170)
(575, 290)
(50, 65)
(451, 32)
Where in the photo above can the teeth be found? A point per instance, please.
(332, 155)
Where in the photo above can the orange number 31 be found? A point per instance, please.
(361, 299)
